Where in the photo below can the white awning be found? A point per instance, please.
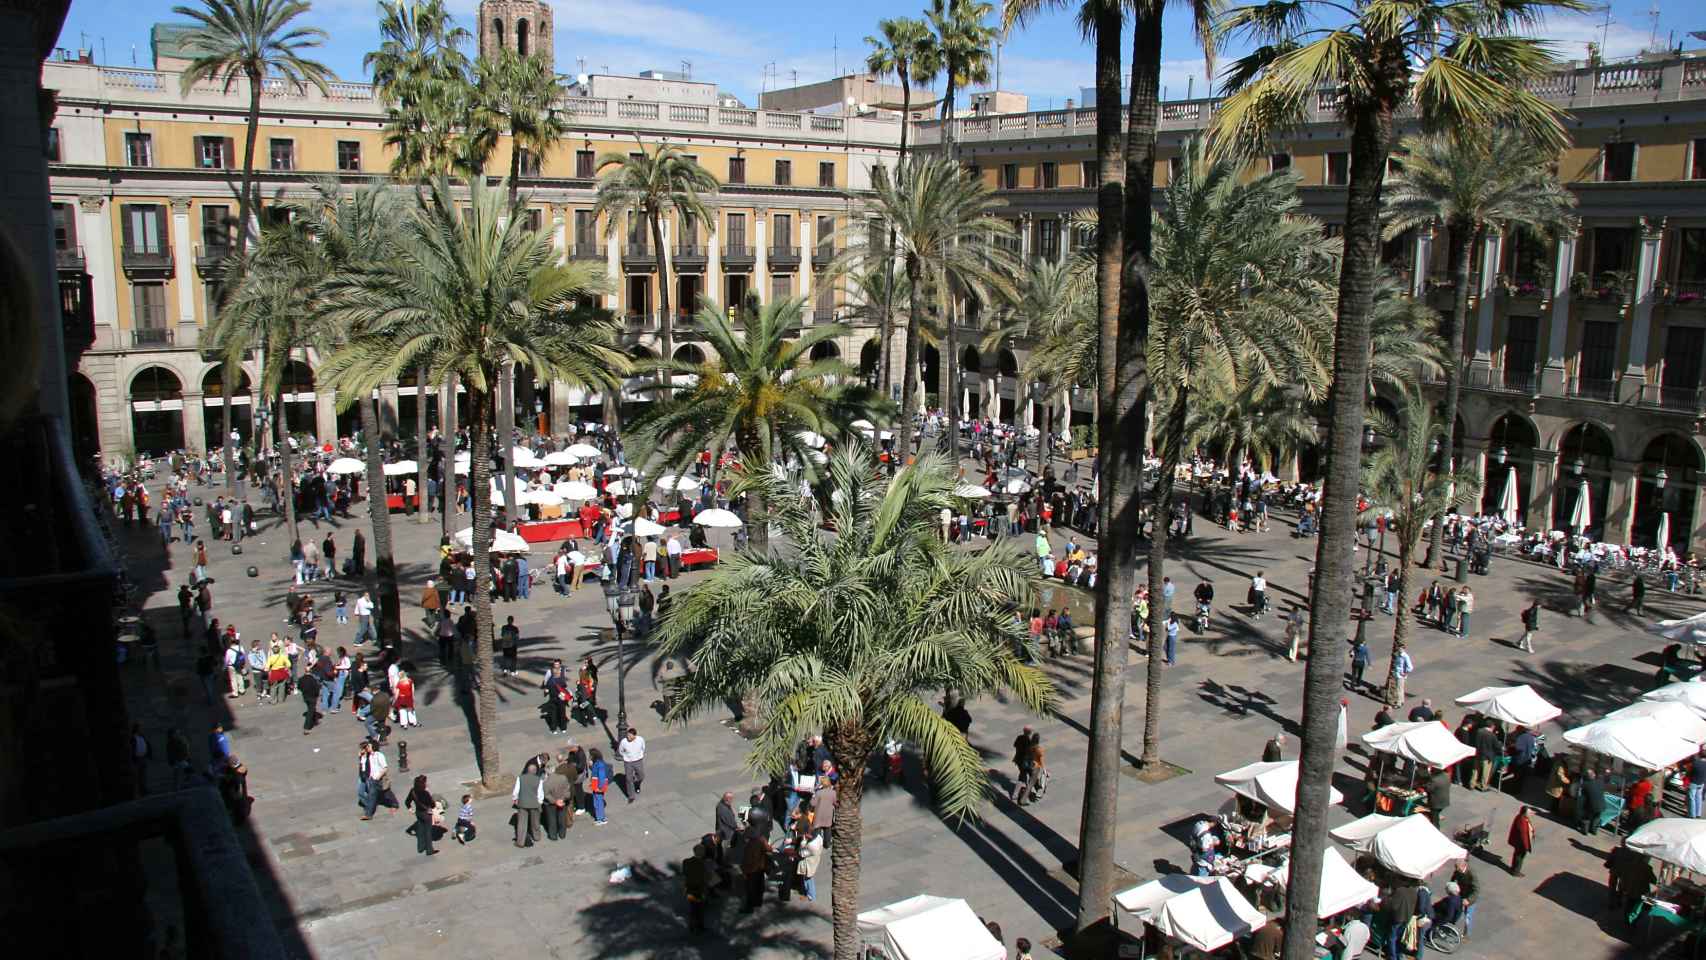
(1272, 784)
(929, 928)
(1519, 705)
(1424, 741)
(1411, 845)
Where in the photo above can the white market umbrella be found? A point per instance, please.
(1507, 502)
(863, 426)
(1677, 840)
(927, 927)
(1641, 741)
(971, 491)
(544, 498)
(810, 439)
(574, 490)
(1582, 516)
(344, 466)
(503, 541)
(401, 468)
(1209, 917)
(1663, 538)
(1411, 845)
(1341, 886)
(584, 450)
(1519, 705)
(1688, 629)
(1016, 486)
(647, 528)
(670, 481)
(1272, 784)
(1689, 693)
(524, 458)
(717, 519)
(560, 458)
(619, 472)
(1675, 717)
(1423, 741)
(622, 488)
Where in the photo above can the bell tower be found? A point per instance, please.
(520, 25)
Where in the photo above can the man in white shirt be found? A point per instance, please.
(632, 750)
(673, 549)
(364, 619)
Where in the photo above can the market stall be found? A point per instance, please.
(1514, 707)
(1689, 693)
(1404, 751)
(1342, 888)
(926, 927)
(1639, 741)
(1408, 846)
(1678, 899)
(503, 541)
(1258, 819)
(1200, 915)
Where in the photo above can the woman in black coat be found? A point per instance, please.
(422, 801)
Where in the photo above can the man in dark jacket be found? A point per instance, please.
(1439, 796)
(309, 687)
(726, 828)
(1400, 906)
(1591, 804)
(1488, 749)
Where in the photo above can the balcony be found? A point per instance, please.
(1686, 293)
(1683, 399)
(823, 317)
(154, 263)
(737, 255)
(70, 259)
(210, 258)
(1594, 388)
(638, 257)
(587, 249)
(640, 321)
(783, 258)
(151, 337)
(690, 256)
(1524, 380)
(823, 256)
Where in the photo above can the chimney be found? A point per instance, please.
(1069, 103)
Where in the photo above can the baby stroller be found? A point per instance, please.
(1473, 837)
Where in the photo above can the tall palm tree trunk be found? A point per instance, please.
(909, 366)
(1400, 618)
(1452, 328)
(245, 205)
(447, 443)
(951, 389)
(486, 701)
(851, 746)
(1161, 511)
(506, 437)
(422, 454)
(1113, 588)
(287, 471)
(666, 320)
(1330, 601)
(230, 458)
(514, 172)
(379, 512)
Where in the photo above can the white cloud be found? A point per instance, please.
(1570, 34)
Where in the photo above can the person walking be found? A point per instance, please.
(810, 856)
(1697, 784)
(1590, 803)
(1638, 595)
(1172, 636)
(1274, 750)
(1530, 624)
(403, 699)
(528, 797)
(379, 780)
(597, 784)
(1521, 839)
(1361, 657)
(364, 630)
(1403, 666)
(309, 687)
(632, 750)
(425, 806)
(556, 805)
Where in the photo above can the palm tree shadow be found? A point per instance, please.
(647, 917)
(1242, 702)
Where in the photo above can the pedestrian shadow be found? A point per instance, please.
(646, 917)
(1242, 702)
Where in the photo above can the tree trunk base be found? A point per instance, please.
(501, 788)
(1099, 941)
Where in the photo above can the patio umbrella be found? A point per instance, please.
(1582, 516)
(1663, 539)
(619, 471)
(585, 450)
(502, 541)
(401, 468)
(1507, 502)
(670, 481)
(622, 488)
(1689, 693)
(345, 465)
(717, 519)
(575, 490)
(1519, 705)
(863, 426)
(647, 528)
(1016, 486)
(1678, 840)
(971, 491)
(545, 498)
(1688, 629)
(525, 458)
(560, 458)
(810, 439)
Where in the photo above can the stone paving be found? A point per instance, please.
(345, 888)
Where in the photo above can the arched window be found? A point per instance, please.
(521, 37)
(498, 32)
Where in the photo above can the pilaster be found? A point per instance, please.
(1552, 377)
(761, 255)
(1641, 309)
(95, 232)
(183, 261)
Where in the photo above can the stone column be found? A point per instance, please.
(561, 413)
(1699, 531)
(1423, 257)
(761, 255)
(195, 422)
(325, 413)
(1542, 489)
(613, 269)
(666, 261)
(1490, 252)
(806, 266)
(183, 261)
(1552, 378)
(1641, 309)
(713, 262)
(95, 233)
(388, 416)
(1025, 238)
(1061, 236)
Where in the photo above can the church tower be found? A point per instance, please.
(520, 25)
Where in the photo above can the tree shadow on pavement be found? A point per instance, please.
(647, 917)
(1242, 701)
(1584, 896)
(1586, 691)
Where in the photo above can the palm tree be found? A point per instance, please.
(248, 40)
(1472, 180)
(1404, 343)
(1266, 421)
(906, 49)
(1403, 478)
(471, 288)
(1241, 286)
(963, 42)
(646, 186)
(521, 90)
(760, 388)
(945, 226)
(422, 74)
(1462, 66)
(853, 634)
(346, 233)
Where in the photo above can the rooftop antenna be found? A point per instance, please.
(835, 52)
(133, 54)
(687, 69)
(1653, 34)
(794, 77)
(1604, 26)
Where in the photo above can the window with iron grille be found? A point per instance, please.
(144, 228)
(784, 173)
(138, 150)
(148, 300)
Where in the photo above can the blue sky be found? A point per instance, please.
(743, 44)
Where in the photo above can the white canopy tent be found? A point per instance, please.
(1688, 629)
(1423, 741)
(971, 491)
(585, 451)
(1411, 845)
(1341, 886)
(1273, 784)
(1519, 705)
(502, 541)
(1209, 917)
(717, 519)
(1689, 693)
(560, 458)
(401, 468)
(574, 490)
(1677, 840)
(1144, 899)
(1641, 741)
(343, 466)
(1675, 717)
(928, 928)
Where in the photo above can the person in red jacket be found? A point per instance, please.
(1521, 839)
(404, 701)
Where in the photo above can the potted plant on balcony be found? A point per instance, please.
(1579, 283)
(1615, 285)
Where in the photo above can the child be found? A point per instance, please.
(464, 831)
(342, 603)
